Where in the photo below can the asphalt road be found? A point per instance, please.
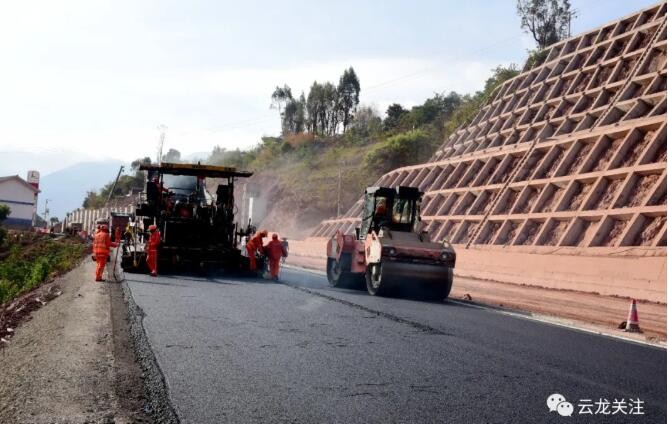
(242, 350)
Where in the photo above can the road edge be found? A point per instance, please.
(531, 316)
(155, 383)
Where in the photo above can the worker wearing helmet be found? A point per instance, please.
(101, 246)
(381, 209)
(275, 251)
(152, 250)
(255, 245)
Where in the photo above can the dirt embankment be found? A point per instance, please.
(281, 206)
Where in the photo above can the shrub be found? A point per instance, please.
(400, 150)
(29, 266)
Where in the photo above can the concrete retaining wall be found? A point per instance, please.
(639, 273)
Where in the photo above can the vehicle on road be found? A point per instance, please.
(196, 228)
(390, 249)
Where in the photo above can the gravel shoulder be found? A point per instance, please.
(73, 362)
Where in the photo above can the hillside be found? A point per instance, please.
(297, 175)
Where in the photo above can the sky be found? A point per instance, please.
(89, 80)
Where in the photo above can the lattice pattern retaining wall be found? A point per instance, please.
(569, 153)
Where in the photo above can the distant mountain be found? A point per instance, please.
(46, 162)
(67, 187)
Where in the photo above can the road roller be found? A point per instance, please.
(390, 249)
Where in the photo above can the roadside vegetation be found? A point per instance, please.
(29, 259)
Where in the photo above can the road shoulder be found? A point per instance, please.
(71, 362)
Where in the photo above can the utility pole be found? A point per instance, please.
(46, 213)
(162, 129)
(338, 193)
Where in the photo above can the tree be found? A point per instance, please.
(172, 155)
(4, 212)
(348, 93)
(280, 98)
(365, 122)
(548, 21)
(135, 164)
(321, 108)
(394, 114)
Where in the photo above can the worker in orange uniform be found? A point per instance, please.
(254, 245)
(101, 246)
(117, 234)
(152, 249)
(275, 250)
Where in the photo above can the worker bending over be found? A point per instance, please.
(275, 250)
(101, 246)
(152, 249)
(254, 245)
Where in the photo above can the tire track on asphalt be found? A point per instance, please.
(417, 325)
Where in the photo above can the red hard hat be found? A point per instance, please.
(152, 227)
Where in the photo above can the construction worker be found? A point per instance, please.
(254, 245)
(101, 246)
(275, 250)
(381, 209)
(117, 234)
(152, 250)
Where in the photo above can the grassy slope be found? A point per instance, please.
(29, 259)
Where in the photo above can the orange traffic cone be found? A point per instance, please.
(632, 324)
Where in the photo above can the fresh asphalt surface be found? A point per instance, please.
(248, 350)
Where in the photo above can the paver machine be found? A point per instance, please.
(197, 228)
(389, 250)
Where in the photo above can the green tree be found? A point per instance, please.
(4, 212)
(322, 109)
(548, 21)
(348, 93)
(280, 99)
(395, 112)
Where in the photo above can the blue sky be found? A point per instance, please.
(83, 79)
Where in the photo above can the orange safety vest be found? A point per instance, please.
(154, 240)
(275, 250)
(101, 243)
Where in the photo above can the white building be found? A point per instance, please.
(21, 197)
